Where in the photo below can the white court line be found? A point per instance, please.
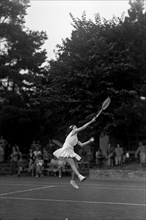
(22, 184)
(75, 201)
(26, 190)
(59, 183)
(110, 187)
(114, 188)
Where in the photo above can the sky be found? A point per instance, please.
(53, 17)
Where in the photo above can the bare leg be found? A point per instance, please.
(58, 168)
(73, 175)
(60, 173)
(71, 162)
(72, 182)
(30, 166)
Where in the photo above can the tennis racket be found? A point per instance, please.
(104, 106)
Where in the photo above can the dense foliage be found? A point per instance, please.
(21, 71)
(103, 58)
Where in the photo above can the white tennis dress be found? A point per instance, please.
(67, 150)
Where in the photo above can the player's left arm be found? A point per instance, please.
(85, 143)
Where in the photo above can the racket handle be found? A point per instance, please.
(98, 113)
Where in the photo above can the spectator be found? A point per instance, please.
(54, 162)
(35, 156)
(89, 156)
(39, 165)
(45, 157)
(3, 144)
(99, 157)
(127, 157)
(49, 157)
(141, 151)
(118, 155)
(32, 158)
(110, 155)
(14, 159)
(36, 152)
(1, 153)
(18, 150)
(50, 146)
(60, 166)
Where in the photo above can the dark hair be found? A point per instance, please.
(69, 129)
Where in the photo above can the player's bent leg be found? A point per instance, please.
(71, 162)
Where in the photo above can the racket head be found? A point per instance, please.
(106, 103)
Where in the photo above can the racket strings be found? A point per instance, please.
(106, 103)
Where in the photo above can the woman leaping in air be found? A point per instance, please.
(67, 151)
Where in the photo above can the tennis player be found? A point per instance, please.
(67, 151)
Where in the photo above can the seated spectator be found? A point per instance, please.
(110, 155)
(118, 155)
(61, 167)
(45, 157)
(58, 165)
(127, 157)
(99, 157)
(39, 165)
(54, 162)
(34, 156)
(36, 152)
(141, 151)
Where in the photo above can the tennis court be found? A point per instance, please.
(53, 198)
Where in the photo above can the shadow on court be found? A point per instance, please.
(53, 198)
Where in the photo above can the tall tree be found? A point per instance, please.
(21, 73)
(99, 60)
(21, 56)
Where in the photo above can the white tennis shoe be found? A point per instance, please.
(73, 183)
(81, 178)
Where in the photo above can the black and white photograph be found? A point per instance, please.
(73, 110)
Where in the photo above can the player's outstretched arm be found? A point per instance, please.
(85, 125)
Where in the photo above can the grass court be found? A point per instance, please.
(53, 198)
